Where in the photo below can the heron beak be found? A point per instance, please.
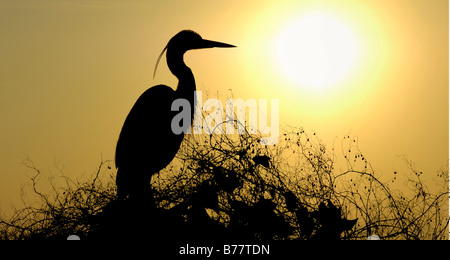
(212, 44)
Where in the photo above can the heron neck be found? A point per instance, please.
(186, 80)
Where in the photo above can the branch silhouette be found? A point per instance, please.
(219, 187)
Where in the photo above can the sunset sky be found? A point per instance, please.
(70, 71)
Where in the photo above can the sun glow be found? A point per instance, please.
(316, 51)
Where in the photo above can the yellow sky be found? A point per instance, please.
(71, 70)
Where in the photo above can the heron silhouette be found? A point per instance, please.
(147, 143)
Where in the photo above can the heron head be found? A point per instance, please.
(189, 40)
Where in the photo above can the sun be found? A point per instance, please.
(316, 51)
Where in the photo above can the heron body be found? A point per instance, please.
(147, 143)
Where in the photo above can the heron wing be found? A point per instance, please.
(146, 140)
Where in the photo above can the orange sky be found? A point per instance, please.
(71, 70)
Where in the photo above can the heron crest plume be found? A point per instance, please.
(159, 58)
